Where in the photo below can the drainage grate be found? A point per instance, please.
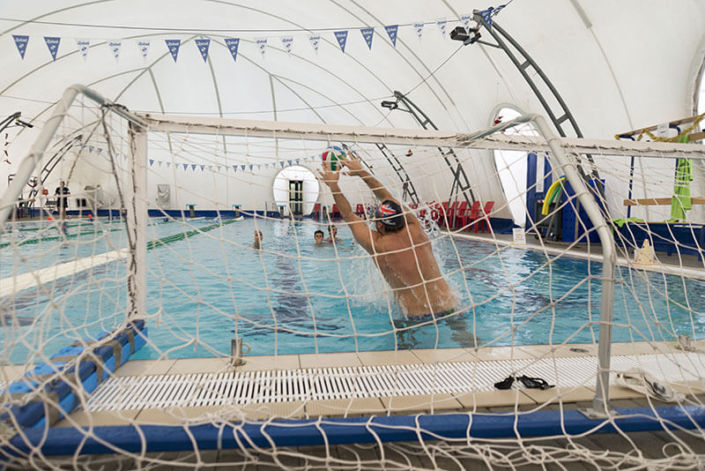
(253, 387)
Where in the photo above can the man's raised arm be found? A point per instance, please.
(355, 168)
(361, 232)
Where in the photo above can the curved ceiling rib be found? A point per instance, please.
(323, 39)
(411, 51)
(374, 106)
(53, 12)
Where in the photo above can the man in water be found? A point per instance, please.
(318, 237)
(333, 235)
(399, 246)
(257, 244)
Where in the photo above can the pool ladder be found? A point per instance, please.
(236, 351)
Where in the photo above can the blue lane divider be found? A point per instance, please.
(94, 367)
(156, 438)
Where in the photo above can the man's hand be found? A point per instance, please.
(354, 164)
(328, 176)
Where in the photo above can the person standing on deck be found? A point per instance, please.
(62, 200)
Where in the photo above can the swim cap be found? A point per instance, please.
(390, 214)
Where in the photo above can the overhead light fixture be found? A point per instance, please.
(392, 105)
(467, 36)
(19, 122)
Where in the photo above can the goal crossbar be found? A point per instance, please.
(490, 139)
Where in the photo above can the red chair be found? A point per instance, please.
(335, 213)
(360, 209)
(435, 210)
(460, 212)
(465, 217)
(446, 217)
(485, 218)
(316, 213)
(422, 211)
(475, 214)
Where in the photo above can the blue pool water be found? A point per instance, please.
(293, 297)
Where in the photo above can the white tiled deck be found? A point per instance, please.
(572, 371)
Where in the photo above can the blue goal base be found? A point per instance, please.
(335, 431)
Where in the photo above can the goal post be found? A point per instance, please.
(232, 266)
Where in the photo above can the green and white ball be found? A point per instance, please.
(331, 155)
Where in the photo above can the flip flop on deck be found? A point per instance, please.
(642, 382)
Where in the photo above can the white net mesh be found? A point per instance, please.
(356, 335)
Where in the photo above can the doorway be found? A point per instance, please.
(296, 197)
(295, 190)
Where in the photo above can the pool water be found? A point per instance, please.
(294, 297)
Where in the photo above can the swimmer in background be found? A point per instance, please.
(399, 246)
(333, 235)
(318, 238)
(257, 244)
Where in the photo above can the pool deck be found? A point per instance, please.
(482, 400)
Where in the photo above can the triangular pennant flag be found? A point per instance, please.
(203, 45)
(262, 44)
(144, 48)
(193, 166)
(232, 44)
(210, 168)
(100, 149)
(168, 165)
(21, 42)
(242, 167)
(442, 23)
(203, 167)
(90, 148)
(297, 161)
(368, 33)
(419, 29)
(234, 168)
(185, 166)
(251, 166)
(281, 163)
(53, 45)
(151, 162)
(173, 46)
(218, 167)
(115, 48)
(289, 162)
(287, 43)
(487, 16)
(392, 32)
(83, 45)
(159, 163)
(342, 37)
(315, 41)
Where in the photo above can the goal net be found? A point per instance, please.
(210, 297)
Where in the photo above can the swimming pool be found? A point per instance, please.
(293, 297)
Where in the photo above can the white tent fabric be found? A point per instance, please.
(618, 66)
